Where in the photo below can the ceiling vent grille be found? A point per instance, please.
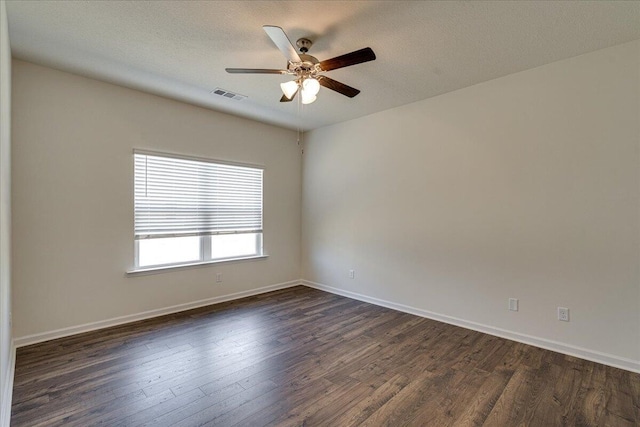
(226, 94)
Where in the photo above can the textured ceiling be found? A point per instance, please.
(180, 49)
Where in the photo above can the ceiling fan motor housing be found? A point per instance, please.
(306, 67)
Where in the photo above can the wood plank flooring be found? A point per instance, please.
(302, 357)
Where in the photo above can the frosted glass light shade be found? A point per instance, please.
(307, 98)
(289, 88)
(311, 86)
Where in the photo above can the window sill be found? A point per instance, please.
(170, 268)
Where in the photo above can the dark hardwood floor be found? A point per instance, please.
(301, 357)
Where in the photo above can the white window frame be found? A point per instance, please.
(205, 240)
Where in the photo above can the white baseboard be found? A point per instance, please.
(87, 327)
(582, 353)
(7, 390)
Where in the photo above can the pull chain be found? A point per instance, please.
(300, 134)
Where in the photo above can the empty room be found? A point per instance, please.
(319, 213)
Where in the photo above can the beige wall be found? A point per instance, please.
(6, 343)
(73, 198)
(527, 186)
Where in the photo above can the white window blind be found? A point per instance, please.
(177, 196)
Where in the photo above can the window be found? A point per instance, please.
(195, 211)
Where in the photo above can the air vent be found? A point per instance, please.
(231, 95)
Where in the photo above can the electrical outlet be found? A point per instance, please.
(513, 304)
(352, 274)
(563, 314)
(218, 277)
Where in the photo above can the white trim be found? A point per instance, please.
(173, 267)
(7, 389)
(580, 352)
(87, 327)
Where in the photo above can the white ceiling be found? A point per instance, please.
(180, 49)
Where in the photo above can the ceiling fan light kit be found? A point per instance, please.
(306, 69)
(311, 85)
(307, 98)
(289, 88)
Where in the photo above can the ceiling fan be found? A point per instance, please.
(306, 69)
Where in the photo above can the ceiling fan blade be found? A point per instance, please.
(255, 71)
(282, 42)
(353, 58)
(285, 99)
(338, 87)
